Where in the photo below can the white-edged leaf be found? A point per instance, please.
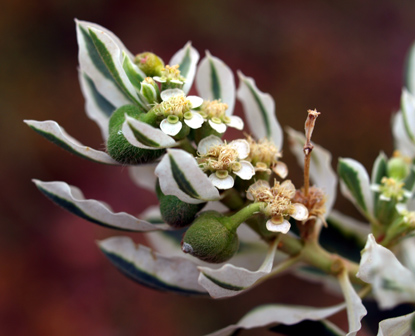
(230, 280)
(97, 107)
(143, 135)
(401, 139)
(396, 326)
(53, 132)
(259, 110)
(408, 113)
(133, 72)
(321, 171)
(355, 308)
(143, 175)
(187, 59)
(215, 80)
(410, 70)
(152, 269)
(355, 185)
(72, 199)
(267, 315)
(93, 65)
(180, 175)
(406, 253)
(392, 283)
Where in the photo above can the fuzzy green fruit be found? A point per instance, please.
(397, 168)
(175, 212)
(210, 239)
(117, 145)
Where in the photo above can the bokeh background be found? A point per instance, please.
(345, 58)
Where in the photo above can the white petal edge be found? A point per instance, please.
(222, 183)
(247, 170)
(95, 209)
(220, 128)
(236, 122)
(195, 101)
(301, 212)
(169, 128)
(170, 93)
(242, 147)
(284, 227)
(208, 142)
(51, 127)
(233, 276)
(195, 122)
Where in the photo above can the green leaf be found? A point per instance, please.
(187, 59)
(152, 269)
(215, 80)
(355, 185)
(56, 134)
(259, 110)
(379, 170)
(72, 199)
(143, 135)
(180, 175)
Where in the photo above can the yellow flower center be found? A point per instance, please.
(215, 109)
(263, 151)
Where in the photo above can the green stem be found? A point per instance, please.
(186, 146)
(283, 266)
(242, 215)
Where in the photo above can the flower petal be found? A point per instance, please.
(283, 227)
(392, 283)
(230, 280)
(180, 175)
(301, 212)
(169, 128)
(281, 169)
(236, 122)
(206, 143)
(152, 269)
(247, 170)
(195, 101)
(187, 59)
(195, 122)
(221, 183)
(321, 171)
(220, 128)
(215, 80)
(259, 110)
(242, 147)
(72, 199)
(170, 93)
(143, 135)
(56, 134)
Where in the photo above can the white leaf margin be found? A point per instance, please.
(396, 326)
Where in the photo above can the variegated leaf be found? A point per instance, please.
(259, 111)
(230, 280)
(215, 80)
(152, 269)
(355, 308)
(321, 171)
(133, 72)
(93, 65)
(143, 175)
(72, 199)
(401, 139)
(410, 70)
(187, 59)
(56, 134)
(392, 283)
(397, 326)
(180, 175)
(408, 112)
(143, 135)
(379, 170)
(273, 314)
(97, 107)
(355, 185)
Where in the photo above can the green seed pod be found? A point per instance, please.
(149, 63)
(175, 212)
(210, 239)
(117, 145)
(397, 168)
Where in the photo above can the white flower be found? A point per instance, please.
(224, 160)
(214, 112)
(176, 107)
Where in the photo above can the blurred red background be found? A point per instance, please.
(344, 58)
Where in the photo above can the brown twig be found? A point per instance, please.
(308, 147)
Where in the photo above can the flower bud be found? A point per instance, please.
(210, 239)
(175, 212)
(150, 91)
(117, 145)
(397, 168)
(149, 63)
